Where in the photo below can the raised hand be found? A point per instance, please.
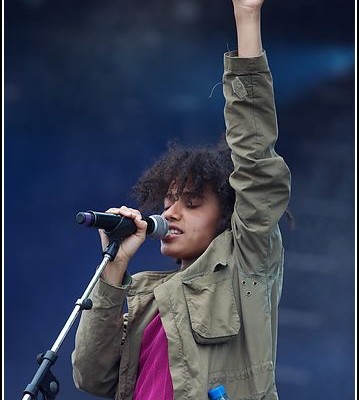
(116, 269)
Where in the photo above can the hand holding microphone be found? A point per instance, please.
(125, 223)
(110, 221)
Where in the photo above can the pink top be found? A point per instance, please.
(154, 380)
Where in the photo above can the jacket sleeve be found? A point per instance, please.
(97, 352)
(261, 178)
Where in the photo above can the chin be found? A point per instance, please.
(166, 251)
(169, 253)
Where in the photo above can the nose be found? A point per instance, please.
(173, 212)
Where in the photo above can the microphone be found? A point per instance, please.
(157, 226)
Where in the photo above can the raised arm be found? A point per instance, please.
(260, 178)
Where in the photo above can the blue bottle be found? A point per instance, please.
(218, 393)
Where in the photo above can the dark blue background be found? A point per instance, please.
(93, 91)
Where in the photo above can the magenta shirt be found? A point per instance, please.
(154, 380)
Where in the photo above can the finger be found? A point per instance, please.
(130, 212)
(125, 211)
(104, 238)
(113, 210)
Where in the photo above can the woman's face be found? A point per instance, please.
(193, 223)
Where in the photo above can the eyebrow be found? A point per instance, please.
(186, 194)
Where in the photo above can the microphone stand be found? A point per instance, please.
(44, 380)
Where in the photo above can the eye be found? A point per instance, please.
(168, 201)
(193, 201)
(166, 205)
(190, 204)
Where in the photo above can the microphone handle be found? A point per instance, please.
(110, 222)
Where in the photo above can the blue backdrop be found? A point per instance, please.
(94, 90)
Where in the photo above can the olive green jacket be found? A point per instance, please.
(219, 314)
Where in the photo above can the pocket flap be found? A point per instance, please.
(212, 308)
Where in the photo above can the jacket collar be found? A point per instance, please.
(213, 259)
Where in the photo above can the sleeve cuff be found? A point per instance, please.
(105, 295)
(244, 66)
(126, 282)
(107, 289)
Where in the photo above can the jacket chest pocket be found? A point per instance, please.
(212, 308)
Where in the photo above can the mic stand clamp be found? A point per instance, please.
(44, 380)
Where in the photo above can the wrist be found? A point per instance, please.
(247, 14)
(114, 272)
(249, 41)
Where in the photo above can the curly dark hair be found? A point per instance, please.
(195, 167)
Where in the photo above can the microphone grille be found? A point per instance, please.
(160, 228)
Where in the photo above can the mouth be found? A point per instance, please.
(173, 232)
